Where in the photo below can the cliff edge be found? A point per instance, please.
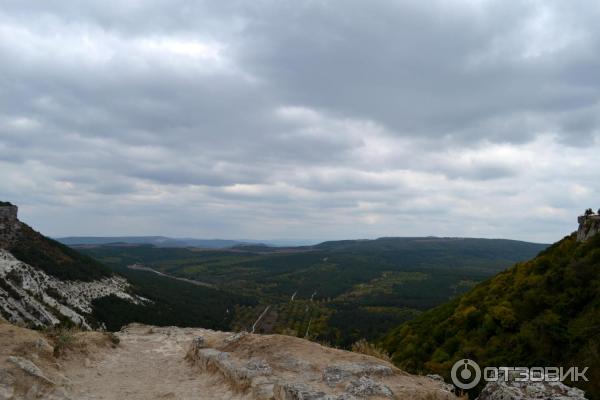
(589, 225)
(145, 362)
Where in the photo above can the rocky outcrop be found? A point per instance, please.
(508, 389)
(30, 297)
(275, 367)
(589, 225)
(9, 224)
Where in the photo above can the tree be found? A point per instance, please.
(588, 212)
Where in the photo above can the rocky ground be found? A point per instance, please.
(184, 363)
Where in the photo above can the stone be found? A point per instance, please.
(589, 225)
(58, 394)
(235, 337)
(7, 385)
(338, 373)
(208, 358)
(504, 389)
(438, 378)
(262, 389)
(334, 375)
(43, 345)
(365, 387)
(301, 391)
(371, 369)
(241, 375)
(199, 342)
(259, 366)
(29, 367)
(292, 363)
(195, 346)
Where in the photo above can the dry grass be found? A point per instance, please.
(369, 349)
(112, 338)
(64, 340)
(69, 340)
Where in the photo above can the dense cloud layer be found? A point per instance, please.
(312, 119)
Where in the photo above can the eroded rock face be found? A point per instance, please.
(9, 224)
(29, 296)
(589, 225)
(510, 390)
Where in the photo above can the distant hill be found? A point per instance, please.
(163, 241)
(158, 241)
(475, 247)
(543, 312)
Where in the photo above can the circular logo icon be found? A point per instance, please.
(465, 374)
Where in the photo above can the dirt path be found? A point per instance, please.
(145, 366)
(149, 363)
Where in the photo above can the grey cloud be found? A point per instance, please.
(271, 118)
(407, 66)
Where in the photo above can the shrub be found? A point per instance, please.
(64, 339)
(369, 349)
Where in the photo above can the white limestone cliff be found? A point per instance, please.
(29, 296)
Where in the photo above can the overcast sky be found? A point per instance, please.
(301, 119)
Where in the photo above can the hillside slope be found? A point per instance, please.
(31, 297)
(44, 283)
(544, 312)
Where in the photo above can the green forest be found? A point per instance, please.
(543, 312)
(335, 292)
